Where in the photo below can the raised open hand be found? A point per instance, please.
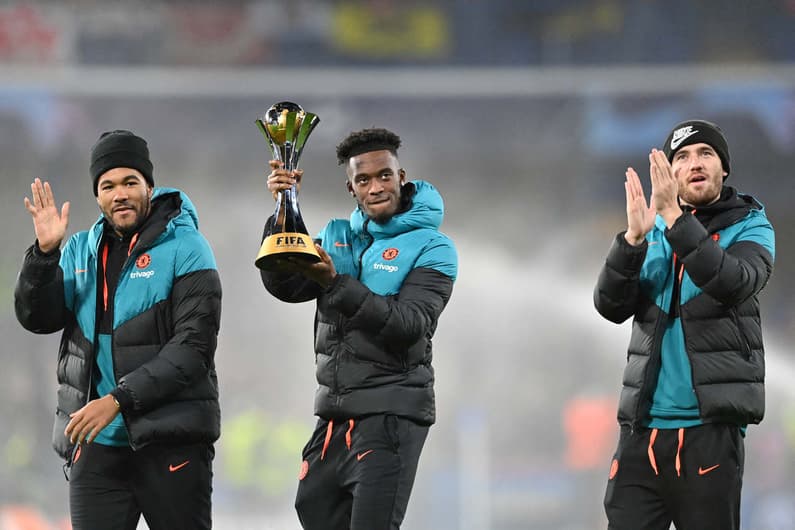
(640, 215)
(49, 224)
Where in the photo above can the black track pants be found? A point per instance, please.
(111, 487)
(358, 475)
(691, 477)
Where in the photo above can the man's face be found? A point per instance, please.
(699, 174)
(374, 179)
(124, 197)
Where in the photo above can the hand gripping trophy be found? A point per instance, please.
(286, 126)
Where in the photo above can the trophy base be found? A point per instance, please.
(285, 244)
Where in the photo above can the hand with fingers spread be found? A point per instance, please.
(280, 179)
(640, 216)
(49, 224)
(664, 188)
(131, 397)
(86, 422)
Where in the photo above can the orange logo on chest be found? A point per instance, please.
(143, 261)
(390, 254)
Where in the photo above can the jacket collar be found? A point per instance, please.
(170, 208)
(425, 210)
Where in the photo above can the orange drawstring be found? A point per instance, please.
(132, 243)
(652, 460)
(328, 439)
(105, 276)
(678, 265)
(679, 450)
(105, 267)
(348, 434)
(329, 432)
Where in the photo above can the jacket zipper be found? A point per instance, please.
(130, 259)
(745, 344)
(341, 331)
(680, 275)
(365, 249)
(75, 447)
(340, 337)
(68, 465)
(654, 355)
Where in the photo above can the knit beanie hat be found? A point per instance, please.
(695, 132)
(120, 148)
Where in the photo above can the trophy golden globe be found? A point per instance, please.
(286, 127)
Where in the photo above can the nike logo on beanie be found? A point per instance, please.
(680, 135)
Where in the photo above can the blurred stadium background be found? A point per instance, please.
(523, 113)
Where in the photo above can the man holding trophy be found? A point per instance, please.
(381, 279)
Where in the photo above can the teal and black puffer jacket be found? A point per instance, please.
(166, 315)
(374, 324)
(696, 353)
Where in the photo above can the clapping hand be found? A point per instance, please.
(664, 187)
(640, 215)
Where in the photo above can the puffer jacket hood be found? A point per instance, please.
(425, 211)
(170, 206)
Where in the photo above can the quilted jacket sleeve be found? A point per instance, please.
(401, 319)
(618, 287)
(730, 275)
(39, 292)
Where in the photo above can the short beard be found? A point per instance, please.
(130, 230)
(698, 204)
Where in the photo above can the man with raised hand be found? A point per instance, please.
(138, 298)
(688, 270)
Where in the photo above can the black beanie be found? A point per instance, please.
(695, 132)
(120, 148)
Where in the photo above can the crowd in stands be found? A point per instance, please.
(395, 32)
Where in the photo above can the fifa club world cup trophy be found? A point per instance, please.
(286, 127)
